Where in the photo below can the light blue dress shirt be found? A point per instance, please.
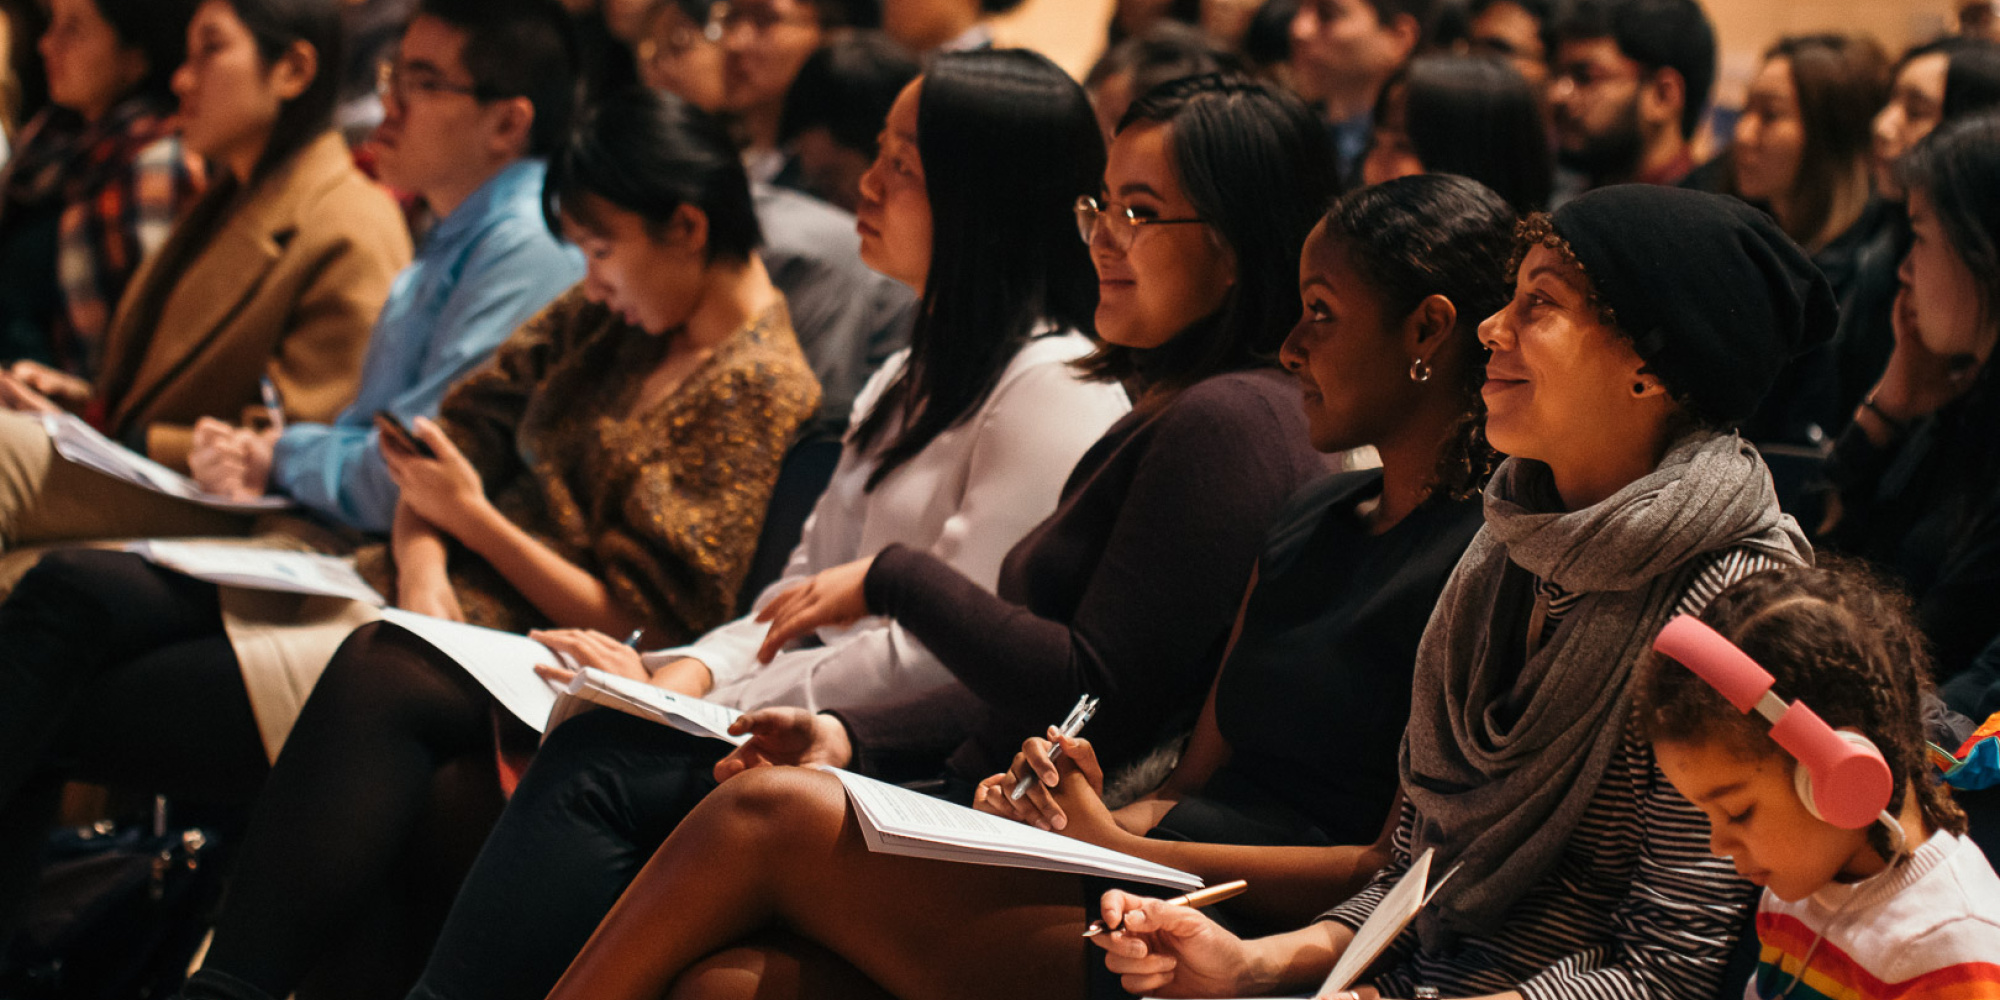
(484, 270)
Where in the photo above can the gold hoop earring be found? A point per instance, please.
(1420, 371)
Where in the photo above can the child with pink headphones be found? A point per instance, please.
(1871, 889)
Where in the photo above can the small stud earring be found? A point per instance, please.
(1420, 371)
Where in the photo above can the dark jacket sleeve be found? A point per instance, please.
(1220, 462)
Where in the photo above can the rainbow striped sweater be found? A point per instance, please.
(1930, 929)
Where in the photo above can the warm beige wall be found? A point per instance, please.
(1071, 32)
(1746, 27)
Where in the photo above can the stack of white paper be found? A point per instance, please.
(689, 715)
(81, 443)
(258, 568)
(502, 662)
(899, 821)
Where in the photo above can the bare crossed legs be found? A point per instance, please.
(767, 890)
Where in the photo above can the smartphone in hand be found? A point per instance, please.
(399, 436)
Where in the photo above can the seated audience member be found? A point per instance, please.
(848, 318)
(958, 448)
(1933, 84)
(279, 271)
(1582, 872)
(834, 111)
(1801, 150)
(1631, 82)
(764, 44)
(95, 181)
(608, 469)
(1394, 281)
(1167, 51)
(1214, 446)
(1343, 54)
(24, 85)
(1903, 904)
(677, 52)
(1917, 473)
(1519, 31)
(477, 94)
(930, 27)
(1473, 116)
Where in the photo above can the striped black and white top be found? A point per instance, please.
(1636, 908)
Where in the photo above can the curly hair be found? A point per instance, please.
(1837, 637)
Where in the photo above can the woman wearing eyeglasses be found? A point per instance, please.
(1126, 590)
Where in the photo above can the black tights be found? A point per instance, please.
(116, 671)
(385, 790)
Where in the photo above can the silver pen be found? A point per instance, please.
(632, 641)
(1086, 707)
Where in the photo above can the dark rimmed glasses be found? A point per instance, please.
(1125, 223)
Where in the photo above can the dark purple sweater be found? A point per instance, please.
(1127, 591)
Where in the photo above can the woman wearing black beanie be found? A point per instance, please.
(1645, 322)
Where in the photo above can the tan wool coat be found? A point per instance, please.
(287, 283)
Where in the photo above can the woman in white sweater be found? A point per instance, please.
(958, 448)
(967, 497)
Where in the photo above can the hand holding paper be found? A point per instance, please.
(786, 736)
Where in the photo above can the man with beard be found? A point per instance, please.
(1631, 82)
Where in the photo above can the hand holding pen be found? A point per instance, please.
(1073, 724)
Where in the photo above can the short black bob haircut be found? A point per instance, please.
(649, 152)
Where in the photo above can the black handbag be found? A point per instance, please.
(118, 913)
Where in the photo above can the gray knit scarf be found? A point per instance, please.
(1500, 764)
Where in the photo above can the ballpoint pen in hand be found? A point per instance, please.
(632, 641)
(273, 406)
(1197, 899)
(1086, 707)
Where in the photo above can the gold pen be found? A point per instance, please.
(1197, 899)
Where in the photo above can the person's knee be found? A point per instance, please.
(734, 974)
(783, 806)
(67, 591)
(25, 454)
(386, 676)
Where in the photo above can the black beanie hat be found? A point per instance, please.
(1715, 297)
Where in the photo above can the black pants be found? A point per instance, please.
(604, 792)
(378, 804)
(116, 671)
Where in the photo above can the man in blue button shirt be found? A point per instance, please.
(478, 91)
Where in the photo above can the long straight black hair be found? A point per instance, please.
(1008, 142)
(1258, 168)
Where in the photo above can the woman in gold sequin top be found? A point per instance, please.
(608, 470)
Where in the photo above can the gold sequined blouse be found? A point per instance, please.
(662, 506)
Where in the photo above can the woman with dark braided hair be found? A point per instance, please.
(1906, 900)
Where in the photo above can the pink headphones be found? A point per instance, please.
(1842, 777)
